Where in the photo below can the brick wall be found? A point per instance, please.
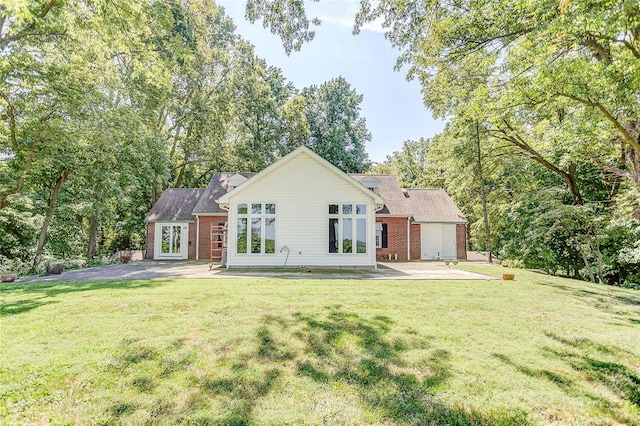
(461, 241)
(151, 236)
(205, 229)
(415, 242)
(191, 253)
(396, 238)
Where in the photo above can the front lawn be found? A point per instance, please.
(538, 350)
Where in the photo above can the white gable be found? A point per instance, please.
(302, 188)
(236, 180)
(302, 151)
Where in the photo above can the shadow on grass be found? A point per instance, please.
(37, 293)
(593, 373)
(609, 294)
(21, 306)
(340, 347)
(333, 349)
(620, 379)
(613, 300)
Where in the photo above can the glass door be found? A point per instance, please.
(170, 243)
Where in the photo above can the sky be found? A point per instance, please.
(391, 105)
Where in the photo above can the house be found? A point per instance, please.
(303, 211)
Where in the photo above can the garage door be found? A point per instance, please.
(438, 241)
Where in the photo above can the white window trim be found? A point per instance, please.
(354, 227)
(262, 216)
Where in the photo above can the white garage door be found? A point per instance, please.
(438, 241)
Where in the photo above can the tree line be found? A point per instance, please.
(104, 104)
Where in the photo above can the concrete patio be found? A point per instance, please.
(149, 269)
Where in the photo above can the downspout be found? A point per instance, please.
(409, 238)
(197, 237)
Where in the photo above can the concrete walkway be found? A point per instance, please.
(149, 269)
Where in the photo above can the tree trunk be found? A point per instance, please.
(93, 236)
(586, 263)
(483, 196)
(49, 215)
(180, 176)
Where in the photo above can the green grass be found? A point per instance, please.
(538, 350)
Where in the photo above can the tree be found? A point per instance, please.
(337, 131)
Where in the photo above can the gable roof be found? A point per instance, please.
(424, 205)
(302, 150)
(218, 186)
(434, 205)
(175, 204)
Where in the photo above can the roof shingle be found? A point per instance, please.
(434, 205)
(218, 185)
(175, 204)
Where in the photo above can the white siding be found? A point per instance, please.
(438, 241)
(302, 189)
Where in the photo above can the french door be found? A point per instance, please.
(171, 241)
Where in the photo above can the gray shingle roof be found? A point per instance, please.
(218, 185)
(175, 204)
(424, 205)
(395, 202)
(434, 205)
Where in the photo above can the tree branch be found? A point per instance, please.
(29, 29)
(627, 136)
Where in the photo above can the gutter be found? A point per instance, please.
(197, 237)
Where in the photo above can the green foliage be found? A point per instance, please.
(337, 131)
(104, 105)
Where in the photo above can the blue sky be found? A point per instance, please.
(392, 106)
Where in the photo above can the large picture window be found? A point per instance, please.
(347, 228)
(256, 228)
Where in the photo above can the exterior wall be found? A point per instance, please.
(302, 190)
(461, 241)
(191, 253)
(396, 238)
(205, 229)
(151, 235)
(415, 241)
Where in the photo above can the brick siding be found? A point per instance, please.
(191, 253)
(461, 241)
(416, 247)
(396, 238)
(205, 229)
(151, 236)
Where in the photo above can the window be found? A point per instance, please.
(256, 228)
(347, 228)
(379, 234)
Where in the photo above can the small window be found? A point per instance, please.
(333, 209)
(256, 208)
(379, 239)
(242, 208)
(269, 209)
(361, 209)
(347, 208)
